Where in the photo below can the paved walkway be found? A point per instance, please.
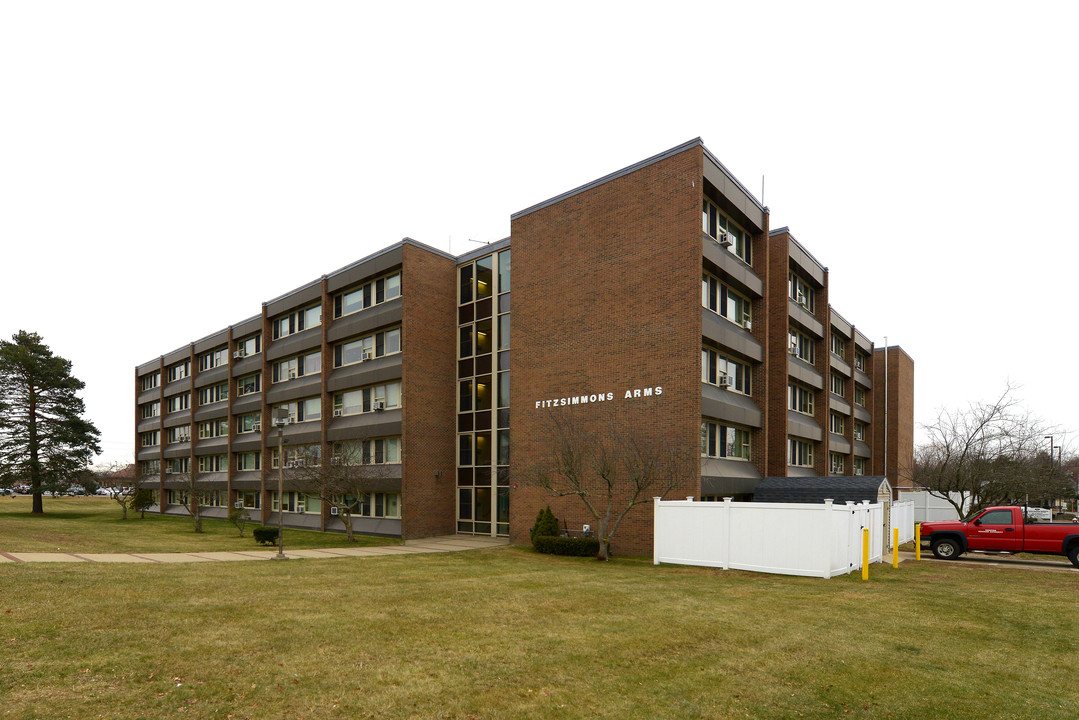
(447, 543)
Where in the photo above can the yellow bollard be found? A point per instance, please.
(865, 553)
(917, 541)
(895, 547)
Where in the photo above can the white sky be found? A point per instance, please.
(166, 167)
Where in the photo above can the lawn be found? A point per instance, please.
(508, 633)
(93, 525)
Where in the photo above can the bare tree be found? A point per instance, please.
(343, 480)
(609, 467)
(988, 454)
(121, 483)
(195, 494)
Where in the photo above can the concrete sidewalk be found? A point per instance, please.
(446, 543)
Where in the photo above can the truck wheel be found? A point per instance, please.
(1073, 554)
(946, 549)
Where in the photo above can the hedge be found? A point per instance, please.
(265, 535)
(576, 546)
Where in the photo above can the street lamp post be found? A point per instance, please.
(280, 419)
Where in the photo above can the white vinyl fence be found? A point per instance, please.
(930, 508)
(902, 518)
(782, 538)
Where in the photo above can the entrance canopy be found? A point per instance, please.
(817, 489)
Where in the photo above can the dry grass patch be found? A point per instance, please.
(511, 634)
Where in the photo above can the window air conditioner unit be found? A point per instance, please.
(168, 471)
(725, 381)
(257, 427)
(724, 239)
(290, 464)
(238, 354)
(337, 413)
(367, 355)
(333, 510)
(291, 374)
(748, 325)
(335, 461)
(801, 299)
(379, 405)
(238, 504)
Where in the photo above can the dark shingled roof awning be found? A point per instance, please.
(818, 489)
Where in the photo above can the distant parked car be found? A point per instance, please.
(103, 491)
(7, 491)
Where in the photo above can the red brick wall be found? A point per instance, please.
(606, 297)
(898, 461)
(428, 382)
(776, 353)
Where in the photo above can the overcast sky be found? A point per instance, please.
(166, 167)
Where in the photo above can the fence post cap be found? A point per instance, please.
(829, 501)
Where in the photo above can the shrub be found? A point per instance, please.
(546, 525)
(576, 546)
(265, 535)
(239, 517)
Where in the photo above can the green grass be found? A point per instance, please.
(512, 634)
(93, 525)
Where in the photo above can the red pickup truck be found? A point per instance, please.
(1001, 528)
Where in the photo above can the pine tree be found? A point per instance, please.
(44, 438)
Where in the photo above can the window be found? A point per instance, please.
(297, 321)
(859, 396)
(297, 367)
(839, 346)
(723, 301)
(386, 505)
(248, 461)
(149, 468)
(176, 497)
(800, 291)
(214, 358)
(859, 430)
(725, 231)
(213, 463)
(179, 371)
(250, 345)
(860, 360)
(302, 410)
(249, 423)
(214, 394)
(150, 439)
(802, 346)
(368, 295)
(298, 456)
(836, 423)
(297, 502)
(213, 428)
(179, 402)
(150, 409)
(214, 498)
(859, 466)
(837, 464)
(177, 466)
(838, 384)
(724, 441)
(374, 451)
(250, 499)
(374, 346)
(719, 370)
(799, 399)
(180, 434)
(248, 384)
(799, 453)
(997, 517)
(368, 399)
(151, 381)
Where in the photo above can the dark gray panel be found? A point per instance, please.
(366, 373)
(371, 526)
(148, 396)
(180, 386)
(839, 444)
(150, 453)
(793, 471)
(729, 406)
(149, 424)
(373, 424)
(302, 342)
(248, 480)
(840, 324)
(730, 337)
(727, 486)
(211, 446)
(839, 365)
(295, 300)
(249, 442)
(803, 426)
(217, 410)
(732, 268)
(247, 365)
(804, 373)
(729, 187)
(305, 433)
(177, 450)
(806, 319)
(212, 377)
(215, 512)
(177, 355)
(806, 264)
(247, 404)
(212, 481)
(218, 339)
(365, 270)
(307, 386)
(247, 327)
(862, 414)
(862, 379)
(838, 404)
(183, 417)
(863, 342)
(861, 449)
(366, 321)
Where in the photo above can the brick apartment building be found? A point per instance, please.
(406, 356)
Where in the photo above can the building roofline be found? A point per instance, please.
(811, 256)
(612, 176)
(730, 176)
(893, 347)
(487, 248)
